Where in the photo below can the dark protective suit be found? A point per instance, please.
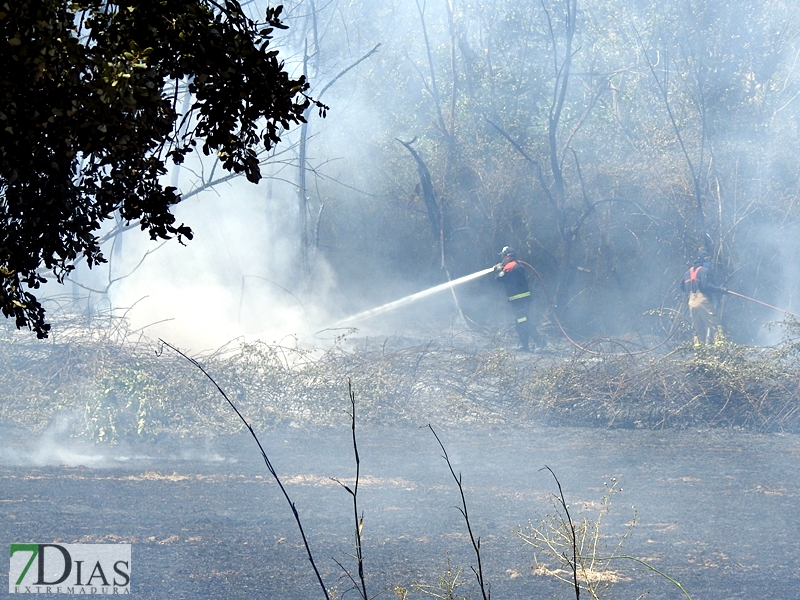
(698, 282)
(515, 282)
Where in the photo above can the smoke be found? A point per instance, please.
(57, 446)
(240, 277)
(769, 272)
(52, 447)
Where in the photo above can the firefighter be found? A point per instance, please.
(698, 282)
(511, 274)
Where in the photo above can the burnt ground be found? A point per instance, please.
(716, 510)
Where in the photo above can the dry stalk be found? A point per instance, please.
(476, 542)
(267, 461)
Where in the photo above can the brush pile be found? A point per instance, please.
(108, 384)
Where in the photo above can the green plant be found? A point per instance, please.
(450, 580)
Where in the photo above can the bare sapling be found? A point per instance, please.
(267, 461)
(359, 585)
(476, 542)
(573, 538)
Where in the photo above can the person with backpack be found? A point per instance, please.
(698, 283)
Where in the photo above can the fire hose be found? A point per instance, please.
(552, 308)
(788, 312)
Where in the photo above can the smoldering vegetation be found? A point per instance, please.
(102, 382)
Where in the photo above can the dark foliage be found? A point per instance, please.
(89, 122)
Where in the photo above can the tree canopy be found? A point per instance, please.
(90, 120)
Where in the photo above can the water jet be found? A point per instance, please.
(368, 314)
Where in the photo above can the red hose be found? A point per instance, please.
(788, 312)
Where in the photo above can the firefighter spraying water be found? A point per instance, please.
(697, 283)
(511, 274)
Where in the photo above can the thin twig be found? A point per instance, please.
(574, 562)
(359, 521)
(476, 542)
(266, 461)
(652, 568)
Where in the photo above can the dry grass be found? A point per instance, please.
(110, 383)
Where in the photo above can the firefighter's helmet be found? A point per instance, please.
(507, 251)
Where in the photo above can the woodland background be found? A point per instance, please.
(609, 142)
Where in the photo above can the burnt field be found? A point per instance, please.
(714, 510)
(108, 437)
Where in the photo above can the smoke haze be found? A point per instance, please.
(658, 153)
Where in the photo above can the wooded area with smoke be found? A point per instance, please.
(609, 142)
